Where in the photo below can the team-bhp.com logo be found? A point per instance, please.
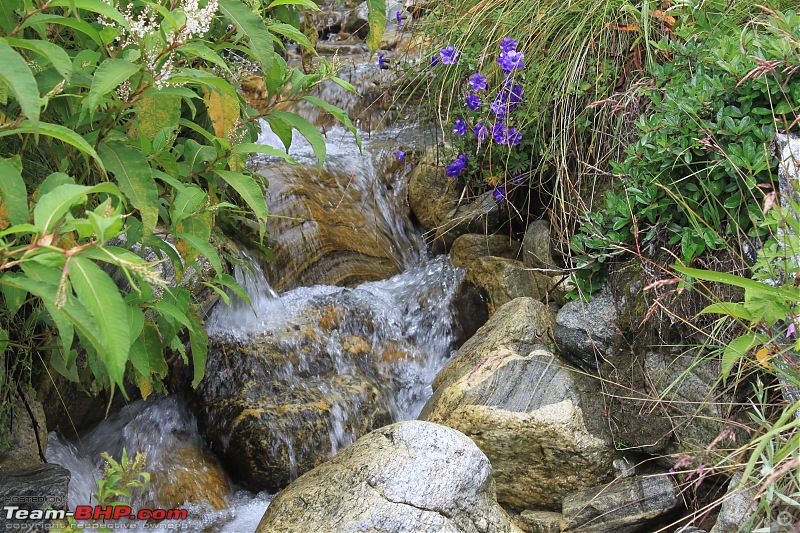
(94, 512)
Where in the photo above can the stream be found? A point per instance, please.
(411, 310)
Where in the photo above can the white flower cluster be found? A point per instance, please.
(146, 23)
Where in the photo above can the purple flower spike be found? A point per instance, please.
(499, 133)
(382, 62)
(513, 136)
(508, 44)
(401, 155)
(481, 132)
(449, 55)
(478, 82)
(456, 167)
(398, 18)
(511, 60)
(473, 101)
(519, 179)
(499, 193)
(460, 127)
(500, 108)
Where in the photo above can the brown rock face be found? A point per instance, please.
(192, 475)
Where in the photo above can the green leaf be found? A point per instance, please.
(156, 111)
(195, 76)
(737, 349)
(730, 309)
(106, 78)
(55, 204)
(70, 22)
(197, 49)
(18, 76)
(253, 26)
(146, 354)
(97, 291)
(198, 340)
(307, 3)
(52, 52)
(52, 181)
(135, 180)
(308, 130)
(170, 311)
(250, 148)
(14, 298)
(292, 33)
(95, 6)
(186, 203)
(337, 112)
(249, 190)
(377, 23)
(13, 193)
(738, 281)
(57, 132)
(204, 247)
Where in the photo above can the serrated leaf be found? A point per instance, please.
(253, 26)
(135, 180)
(108, 76)
(13, 193)
(18, 76)
(57, 132)
(377, 23)
(337, 112)
(97, 291)
(156, 111)
(308, 130)
(249, 190)
(204, 247)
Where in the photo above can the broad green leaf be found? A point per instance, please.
(204, 247)
(198, 340)
(70, 22)
(18, 76)
(186, 203)
(64, 361)
(8, 19)
(249, 190)
(52, 52)
(253, 26)
(250, 148)
(198, 49)
(738, 281)
(280, 128)
(728, 308)
(52, 181)
(146, 354)
(306, 3)
(106, 78)
(13, 193)
(96, 290)
(14, 298)
(95, 6)
(3, 341)
(292, 33)
(135, 180)
(337, 112)
(308, 130)
(170, 311)
(55, 204)
(57, 132)
(222, 294)
(155, 111)
(135, 321)
(377, 23)
(195, 76)
(737, 349)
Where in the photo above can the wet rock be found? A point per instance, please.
(585, 331)
(468, 248)
(532, 415)
(737, 505)
(410, 476)
(26, 441)
(506, 279)
(320, 232)
(36, 489)
(191, 475)
(540, 521)
(621, 507)
(435, 200)
(536, 246)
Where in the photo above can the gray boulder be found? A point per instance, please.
(585, 331)
(40, 489)
(410, 476)
(737, 505)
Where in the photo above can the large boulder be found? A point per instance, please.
(470, 247)
(506, 279)
(24, 445)
(633, 504)
(737, 505)
(537, 246)
(537, 419)
(410, 476)
(585, 331)
(39, 489)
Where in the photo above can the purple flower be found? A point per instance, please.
(481, 132)
(499, 193)
(449, 55)
(500, 108)
(456, 167)
(499, 132)
(508, 44)
(229, 27)
(434, 60)
(460, 127)
(790, 330)
(399, 18)
(511, 60)
(513, 136)
(511, 93)
(401, 155)
(382, 62)
(473, 101)
(519, 179)
(477, 82)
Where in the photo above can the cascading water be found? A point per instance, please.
(402, 325)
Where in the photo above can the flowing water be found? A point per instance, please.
(411, 310)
